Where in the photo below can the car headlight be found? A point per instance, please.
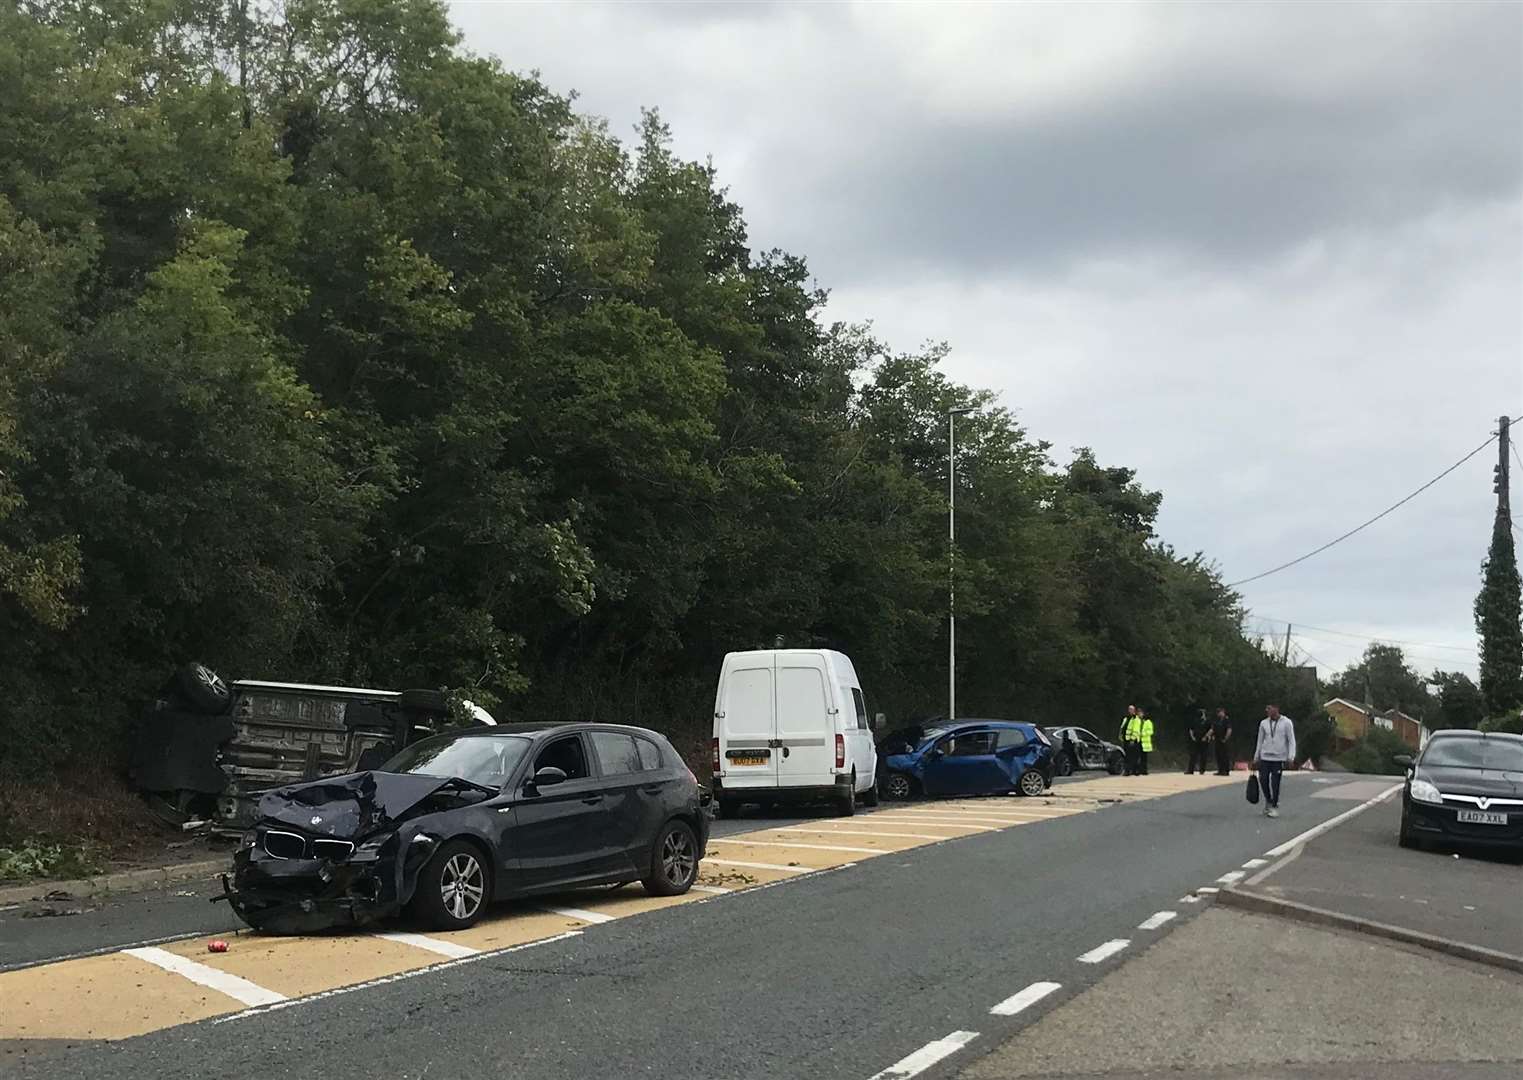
(1424, 792)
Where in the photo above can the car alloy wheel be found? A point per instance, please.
(679, 861)
(1065, 765)
(1031, 783)
(462, 884)
(897, 786)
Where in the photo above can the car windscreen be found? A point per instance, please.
(487, 760)
(1462, 753)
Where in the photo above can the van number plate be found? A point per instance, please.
(752, 757)
(1481, 817)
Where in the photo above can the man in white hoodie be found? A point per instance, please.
(1276, 748)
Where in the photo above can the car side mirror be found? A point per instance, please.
(1404, 760)
(937, 752)
(547, 777)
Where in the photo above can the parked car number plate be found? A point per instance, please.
(1481, 817)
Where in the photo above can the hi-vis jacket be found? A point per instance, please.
(1138, 729)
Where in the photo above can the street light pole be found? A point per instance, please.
(952, 415)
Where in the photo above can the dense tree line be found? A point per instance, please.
(331, 352)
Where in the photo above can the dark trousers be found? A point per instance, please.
(1133, 752)
(1269, 781)
(1197, 758)
(1223, 759)
(1142, 761)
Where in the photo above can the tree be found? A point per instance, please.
(1383, 679)
(1497, 621)
(1460, 702)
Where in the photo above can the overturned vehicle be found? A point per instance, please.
(455, 821)
(204, 749)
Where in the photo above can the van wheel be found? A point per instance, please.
(846, 803)
(870, 796)
(729, 808)
(897, 787)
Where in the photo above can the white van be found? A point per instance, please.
(790, 725)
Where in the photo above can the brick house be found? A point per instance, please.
(1353, 721)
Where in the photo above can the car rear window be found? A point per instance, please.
(650, 754)
(616, 753)
(1011, 737)
(1475, 753)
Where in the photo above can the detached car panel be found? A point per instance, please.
(458, 820)
(970, 757)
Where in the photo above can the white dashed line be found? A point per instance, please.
(433, 945)
(1254, 864)
(581, 914)
(1104, 952)
(760, 865)
(1232, 877)
(863, 832)
(1207, 890)
(712, 889)
(926, 1056)
(1189, 899)
(812, 847)
(234, 986)
(1157, 919)
(1025, 999)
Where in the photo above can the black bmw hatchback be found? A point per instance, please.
(461, 819)
(1466, 787)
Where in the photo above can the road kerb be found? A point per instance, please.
(1289, 909)
(122, 881)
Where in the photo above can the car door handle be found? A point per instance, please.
(652, 789)
(593, 800)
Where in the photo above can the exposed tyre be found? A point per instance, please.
(673, 861)
(203, 689)
(1115, 766)
(455, 887)
(898, 786)
(1031, 783)
(1404, 835)
(729, 808)
(870, 796)
(1064, 766)
(846, 803)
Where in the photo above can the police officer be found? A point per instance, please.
(1144, 728)
(1129, 744)
(1200, 735)
(1221, 735)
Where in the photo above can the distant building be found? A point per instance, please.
(1353, 721)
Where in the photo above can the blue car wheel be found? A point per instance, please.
(1032, 783)
(896, 785)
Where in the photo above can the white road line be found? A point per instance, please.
(1254, 864)
(941, 823)
(714, 889)
(958, 819)
(926, 1056)
(1232, 877)
(860, 832)
(1157, 919)
(1189, 899)
(1104, 952)
(580, 913)
(1025, 999)
(813, 847)
(1296, 841)
(433, 945)
(1207, 890)
(761, 865)
(239, 989)
(383, 980)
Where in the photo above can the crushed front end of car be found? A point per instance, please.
(340, 852)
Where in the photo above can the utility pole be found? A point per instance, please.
(1501, 472)
(952, 415)
(1285, 657)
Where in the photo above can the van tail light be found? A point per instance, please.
(715, 762)
(840, 751)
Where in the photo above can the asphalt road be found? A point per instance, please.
(838, 974)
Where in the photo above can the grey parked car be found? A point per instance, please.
(1079, 748)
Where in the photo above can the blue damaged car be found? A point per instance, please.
(969, 757)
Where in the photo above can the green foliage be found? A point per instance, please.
(1497, 621)
(34, 860)
(1375, 753)
(1460, 702)
(1511, 722)
(330, 352)
(1315, 738)
(1384, 679)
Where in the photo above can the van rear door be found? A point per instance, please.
(805, 726)
(746, 722)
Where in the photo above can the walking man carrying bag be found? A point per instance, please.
(1275, 749)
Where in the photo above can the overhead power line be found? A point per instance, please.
(1362, 637)
(1367, 524)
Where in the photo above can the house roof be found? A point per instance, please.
(1351, 704)
(1369, 710)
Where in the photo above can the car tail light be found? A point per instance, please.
(716, 754)
(840, 751)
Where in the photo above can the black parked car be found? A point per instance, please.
(1466, 787)
(458, 820)
(1078, 748)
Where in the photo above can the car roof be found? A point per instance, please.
(988, 723)
(1460, 733)
(535, 728)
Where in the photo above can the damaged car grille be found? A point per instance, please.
(279, 844)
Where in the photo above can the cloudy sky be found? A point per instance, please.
(1270, 256)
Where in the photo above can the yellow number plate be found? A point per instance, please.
(748, 761)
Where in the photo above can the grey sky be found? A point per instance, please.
(1270, 256)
